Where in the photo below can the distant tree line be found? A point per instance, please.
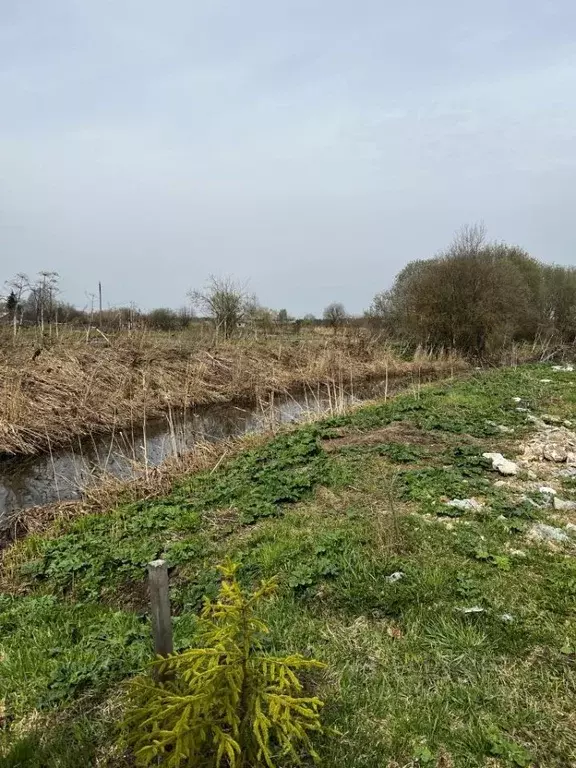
(223, 304)
(476, 297)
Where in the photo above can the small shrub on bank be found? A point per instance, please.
(225, 703)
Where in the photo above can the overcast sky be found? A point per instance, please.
(312, 146)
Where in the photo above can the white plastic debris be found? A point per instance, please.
(563, 368)
(502, 465)
(472, 609)
(507, 617)
(545, 381)
(394, 577)
(517, 399)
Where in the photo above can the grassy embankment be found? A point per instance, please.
(71, 389)
(334, 508)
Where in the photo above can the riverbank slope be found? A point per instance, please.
(69, 389)
(448, 629)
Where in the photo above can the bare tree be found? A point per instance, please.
(17, 286)
(335, 315)
(469, 240)
(226, 302)
(43, 295)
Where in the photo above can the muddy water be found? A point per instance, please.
(63, 475)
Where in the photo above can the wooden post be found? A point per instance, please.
(160, 607)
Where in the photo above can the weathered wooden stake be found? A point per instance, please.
(160, 607)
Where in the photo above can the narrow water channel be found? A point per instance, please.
(66, 473)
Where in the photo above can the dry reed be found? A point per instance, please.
(73, 389)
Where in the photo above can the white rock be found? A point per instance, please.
(571, 528)
(545, 381)
(517, 399)
(570, 472)
(517, 553)
(563, 368)
(545, 489)
(465, 504)
(531, 475)
(394, 577)
(501, 484)
(507, 617)
(550, 419)
(500, 427)
(520, 409)
(554, 453)
(543, 532)
(563, 505)
(567, 423)
(502, 465)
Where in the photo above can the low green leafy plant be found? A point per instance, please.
(225, 703)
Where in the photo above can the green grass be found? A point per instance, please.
(412, 678)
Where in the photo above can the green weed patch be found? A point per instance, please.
(449, 636)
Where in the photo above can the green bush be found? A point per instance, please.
(224, 703)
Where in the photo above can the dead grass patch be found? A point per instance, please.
(74, 389)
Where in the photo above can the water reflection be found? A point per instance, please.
(40, 480)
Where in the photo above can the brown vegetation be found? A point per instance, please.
(51, 395)
(481, 298)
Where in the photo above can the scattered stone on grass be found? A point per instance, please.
(571, 528)
(502, 465)
(564, 505)
(466, 505)
(554, 444)
(500, 427)
(554, 453)
(546, 490)
(548, 418)
(547, 533)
